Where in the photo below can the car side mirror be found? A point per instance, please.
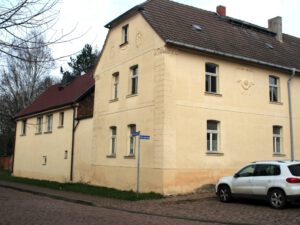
(236, 175)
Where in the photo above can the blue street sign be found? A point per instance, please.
(144, 137)
(133, 134)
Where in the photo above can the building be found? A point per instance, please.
(53, 135)
(211, 91)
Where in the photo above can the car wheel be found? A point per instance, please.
(224, 193)
(277, 199)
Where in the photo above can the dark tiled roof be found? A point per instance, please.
(173, 23)
(58, 95)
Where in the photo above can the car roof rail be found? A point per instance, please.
(280, 161)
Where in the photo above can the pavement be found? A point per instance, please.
(197, 208)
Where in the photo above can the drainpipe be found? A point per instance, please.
(73, 141)
(291, 114)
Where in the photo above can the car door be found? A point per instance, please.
(242, 181)
(263, 178)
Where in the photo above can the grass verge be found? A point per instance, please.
(82, 188)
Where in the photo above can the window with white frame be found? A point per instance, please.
(274, 89)
(61, 119)
(132, 139)
(113, 143)
(134, 80)
(23, 127)
(115, 86)
(213, 136)
(277, 139)
(39, 128)
(49, 123)
(125, 34)
(211, 78)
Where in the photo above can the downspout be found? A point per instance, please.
(291, 114)
(14, 151)
(73, 142)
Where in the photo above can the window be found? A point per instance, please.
(49, 123)
(44, 160)
(66, 155)
(131, 129)
(115, 85)
(212, 136)
(274, 89)
(61, 119)
(125, 34)
(248, 171)
(267, 170)
(113, 144)
(211, 78)
(39, 127)
(277, 139)
(23, 127)
(134, 80)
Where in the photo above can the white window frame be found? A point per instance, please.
(61, 119)
(49, 123)
(115, 91)
(23, 127)
(275, 138)
(125, 34)
(211, 133)
(39, 127)
(113, 140)
(209, 74)
(271, 89)
(134, 70)
(131, 140)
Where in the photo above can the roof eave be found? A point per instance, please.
(127, 14)
(228, 55)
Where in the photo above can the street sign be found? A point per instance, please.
(144, 137)
(134, 134)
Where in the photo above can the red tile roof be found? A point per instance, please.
(58, 95)
(220, 35)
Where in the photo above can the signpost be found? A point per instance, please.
(141, 137)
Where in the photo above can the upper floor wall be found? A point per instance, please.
(126, 57)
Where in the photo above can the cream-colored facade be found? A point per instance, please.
(142, 84)
(46, 154)
(172, 106)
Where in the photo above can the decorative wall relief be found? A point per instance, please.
(164, 50)
(138, 39)
(112, 52)
(245, 84)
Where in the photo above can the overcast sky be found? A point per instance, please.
(90, 16)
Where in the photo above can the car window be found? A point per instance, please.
(247, 171)
(295, 170)
(267, 170)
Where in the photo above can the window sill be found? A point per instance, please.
(113, 156)
(131, 95)
(278, 155)
(123, 44)
(62, 126)
(129, 157)
(48, 132)
(213, 94)
(22, 135)
(38, 133)
(215, 153)
(114, 100)
(276, 103)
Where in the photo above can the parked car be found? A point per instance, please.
(276, 181)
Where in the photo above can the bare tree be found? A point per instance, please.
(18, 18)
(23, 80)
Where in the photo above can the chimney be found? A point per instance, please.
(221, 10)
(275, 25)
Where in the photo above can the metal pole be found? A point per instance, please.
(291, 115)
(138, 167)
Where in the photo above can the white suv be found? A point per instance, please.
(276, 181)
